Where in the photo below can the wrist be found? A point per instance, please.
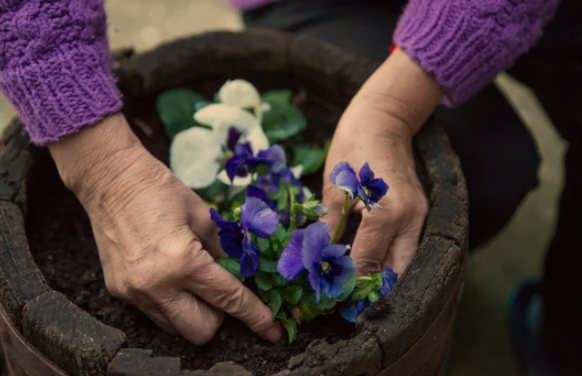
(94, 155)
(401, 90)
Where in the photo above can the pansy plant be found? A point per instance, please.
(272, 233)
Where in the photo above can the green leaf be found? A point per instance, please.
(347, 288)
(269, 266)
(214, 193)
(263, 244)
(274, 301)
(311, 158)
(279, 279)
(292, 294)
(176, 108)
(280, 234)
(310, 307)
(373, 297)
(361, 291)
(283, 120)
(327, 302)
(200, 105)
(264, 281)
(291, 327)
(231, 265)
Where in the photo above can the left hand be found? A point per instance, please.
(378, 127)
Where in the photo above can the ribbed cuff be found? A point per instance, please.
(249, 4)
(59, 94)
(465, 44)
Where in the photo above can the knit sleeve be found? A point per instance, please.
(463, 44)
(55, 66)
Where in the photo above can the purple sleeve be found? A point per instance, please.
(55, 66)
(464, 44)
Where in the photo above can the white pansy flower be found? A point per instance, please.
(241, 93)
(197, 154)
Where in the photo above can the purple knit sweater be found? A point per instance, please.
(54, 59)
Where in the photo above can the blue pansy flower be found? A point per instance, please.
(254, 191)
(351, 309)
(309, 250)
(243, 159)
(256, 218)
(367, 188)
(271, 183)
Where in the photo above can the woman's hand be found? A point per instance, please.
(155, 238)
(378, 127)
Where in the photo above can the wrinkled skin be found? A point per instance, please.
(378, 127)
(155, 238)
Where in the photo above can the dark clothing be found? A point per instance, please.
(498, 154)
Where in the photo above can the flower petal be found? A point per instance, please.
(235, 166)
(275, 155)
(334, 251)
(366, 174)
(222, 117)
(297, 171)
(290, 265)
(239, 93)
(239, 181)
(258, 218)
(348, 268)
(233, 136)
(389, 277)
(315, 240)
(344, 177)
(257, 138)
(333, 290)
(350, 312)
(315, 280)
(249, 263)
(195, 157)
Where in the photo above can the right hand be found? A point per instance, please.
(155, 238)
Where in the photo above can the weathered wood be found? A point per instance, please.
(14, 162)
(21, 357)
(317, 66)
(221, 369)
(21, 279)
(139, 362)
(70, 337)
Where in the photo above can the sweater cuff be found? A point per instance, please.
(465, 44)
(59, 94)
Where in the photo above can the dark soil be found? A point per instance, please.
(63, 246)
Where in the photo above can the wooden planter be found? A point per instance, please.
(45, 334)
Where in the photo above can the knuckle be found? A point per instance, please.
(234, 302)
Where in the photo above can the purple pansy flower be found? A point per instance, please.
(310, 250)
(256, 218)
(273, 158)
(271, 183)
(351, 309)
(369, 189)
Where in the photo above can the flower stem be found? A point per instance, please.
(292, 213)
(363, 278)
(338, 229)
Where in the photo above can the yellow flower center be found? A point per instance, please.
(324, 266)
(367, 191)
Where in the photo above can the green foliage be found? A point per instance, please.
(176, 108)
(269, 266)
(274, 301)
(347, 289)
(283, 120)
(311, 158)
(231, 265)
(264, 281)
(290, 325)
(292, 294)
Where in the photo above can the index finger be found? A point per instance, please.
(222, 290)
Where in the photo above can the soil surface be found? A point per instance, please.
(63, 246)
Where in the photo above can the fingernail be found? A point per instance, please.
(274, 333)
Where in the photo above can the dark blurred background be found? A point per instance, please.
(482, 342)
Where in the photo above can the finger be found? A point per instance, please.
(192, 318)
(223, 291)
(372, 241)
(402, 251)
(203, 227)
(334, 200)
(160, 320)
